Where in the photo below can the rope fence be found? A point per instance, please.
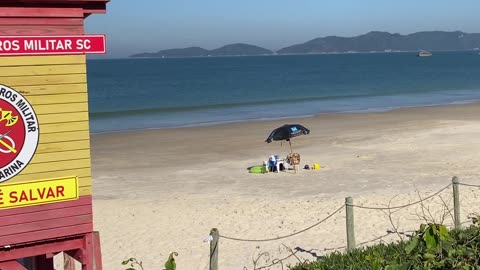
(285, 236)
(469, 185)
(349, 206)
(362, 243)
(405, 205)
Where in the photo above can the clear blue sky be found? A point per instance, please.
(134, 26)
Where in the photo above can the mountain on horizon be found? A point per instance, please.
(183, 52)
(375, 41)
(237, 49)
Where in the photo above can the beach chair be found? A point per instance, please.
(279, 163)
(274, 162)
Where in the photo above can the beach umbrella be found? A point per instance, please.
(286, 132)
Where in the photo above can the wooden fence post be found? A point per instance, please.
(214, 249)
(456, 203)
(350, 223)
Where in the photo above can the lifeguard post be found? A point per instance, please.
(45, 176)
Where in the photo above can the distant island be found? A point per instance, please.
(371, 42)
(238, 49)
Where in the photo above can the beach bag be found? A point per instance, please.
(257, 169)
(293, 159)
(316, 166)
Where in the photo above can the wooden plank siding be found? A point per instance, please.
(56, 87)
(12, 61)
(53, 8)
(40, 30)
(40, 12)
(55, 220)
(62, 111)
(41, 21)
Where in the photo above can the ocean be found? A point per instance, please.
(132, 94)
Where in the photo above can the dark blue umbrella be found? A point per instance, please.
(286, 132)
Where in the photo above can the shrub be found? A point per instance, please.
(432, 247)
(134, 264)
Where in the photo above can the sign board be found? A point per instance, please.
(52, 45)
(19, 133)
(38, 192)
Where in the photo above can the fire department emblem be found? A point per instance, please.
(19, 133)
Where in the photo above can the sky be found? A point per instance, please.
(134, 26)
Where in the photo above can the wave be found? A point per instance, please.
(293, 100)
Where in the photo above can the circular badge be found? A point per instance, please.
(19, 133)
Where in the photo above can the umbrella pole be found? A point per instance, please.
(289, 142)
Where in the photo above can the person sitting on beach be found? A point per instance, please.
(272, 163)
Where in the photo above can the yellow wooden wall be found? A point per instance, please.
(56, 87)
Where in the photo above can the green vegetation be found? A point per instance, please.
(432, 247)
(134, 264)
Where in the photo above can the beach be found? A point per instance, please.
(160, 191)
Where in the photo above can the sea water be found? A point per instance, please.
(128, 94)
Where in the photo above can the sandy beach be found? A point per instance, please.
(159, 191)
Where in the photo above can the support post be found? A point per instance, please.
(350, 224)
(456, 202)
(214, 249)
(88, 256)
(97, 252)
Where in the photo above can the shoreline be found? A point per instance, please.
(293, 118)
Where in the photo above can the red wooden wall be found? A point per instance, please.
(50, 221)
(58, 22)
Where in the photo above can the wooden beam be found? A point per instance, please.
(22, 2)
(45, 225)
(42, 248)
(88, 6)
(83, 201)
(40, 12)
(45, 215)
(41, 30)
(41, 21)
(95, 11)
(88, 259)
(46, 234)
(97, 8)
(11, 265)
(97, 251)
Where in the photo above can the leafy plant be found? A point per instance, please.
(134, 264)
(170, 263)
(432, 247)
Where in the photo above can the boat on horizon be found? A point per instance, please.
(424, 54)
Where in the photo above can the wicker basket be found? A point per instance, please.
(293, 159)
